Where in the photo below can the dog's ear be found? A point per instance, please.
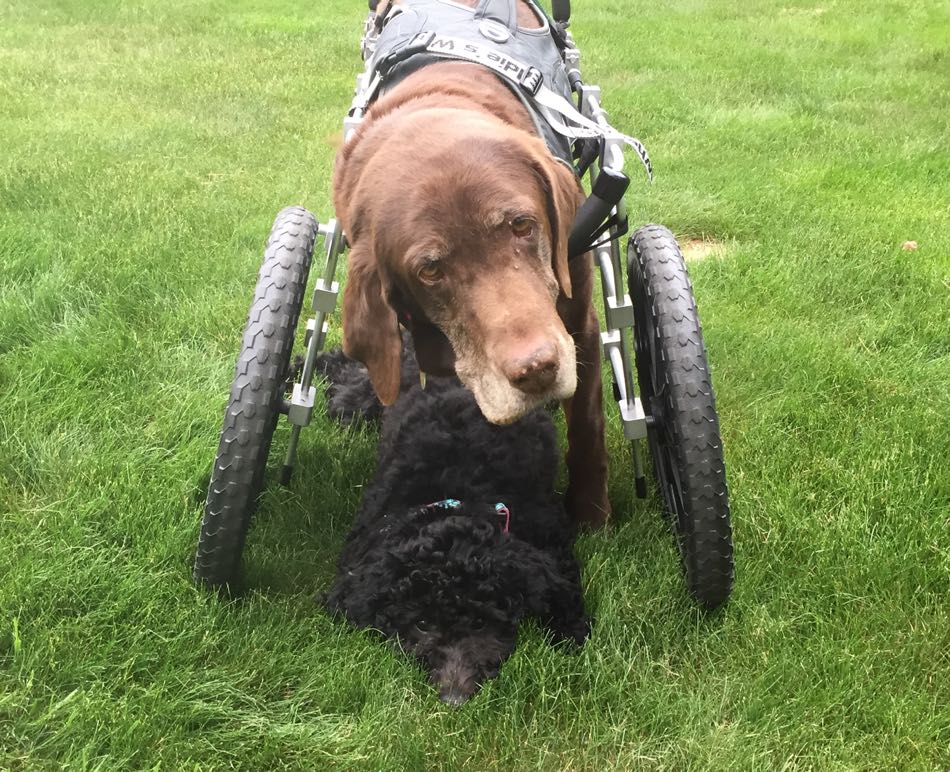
(562, 197)
(370, 327)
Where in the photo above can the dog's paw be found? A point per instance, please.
(575, 632)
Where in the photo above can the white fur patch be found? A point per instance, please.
(502, 403)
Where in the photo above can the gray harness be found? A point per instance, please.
(489, 35)
(420, 32)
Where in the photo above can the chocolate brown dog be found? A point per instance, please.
(458, 218)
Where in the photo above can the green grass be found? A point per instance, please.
(145, 148)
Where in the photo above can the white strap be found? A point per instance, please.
(560, 113)
(554, 107)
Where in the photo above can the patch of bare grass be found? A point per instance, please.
(697, 249)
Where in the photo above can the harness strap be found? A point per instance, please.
(555, 107)
(560, 113)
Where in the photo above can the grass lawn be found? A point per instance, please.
(145, 148)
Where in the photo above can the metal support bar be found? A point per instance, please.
(634, 419)
(324, 298)
(324, 302)
(607, 278)
(322, 336)
(619, 314)
(301, 405)
(585, 95)
(326, 289)
(332, 238)
(640, 481)
(610, 343)
(349, 125)
(618, 308)
(631, 410)
(287, 471)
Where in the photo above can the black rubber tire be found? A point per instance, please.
(255, 400)
(677, 395)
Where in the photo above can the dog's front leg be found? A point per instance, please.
(563, 614)
(586, 446)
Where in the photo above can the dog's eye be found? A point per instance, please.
(478, 624)
(522, 227)
(423, 626)
(430, 272)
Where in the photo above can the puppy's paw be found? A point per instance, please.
(574, 632)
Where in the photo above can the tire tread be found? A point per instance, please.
(253, 404)
(707, 545)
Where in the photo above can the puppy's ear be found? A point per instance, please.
(370, 327)
(562, 193)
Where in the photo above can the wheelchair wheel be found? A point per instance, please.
(256, 398)
(677, 396)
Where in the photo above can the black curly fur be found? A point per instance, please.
(449, 584)
(349, 394)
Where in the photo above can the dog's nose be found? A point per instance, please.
(534, 373)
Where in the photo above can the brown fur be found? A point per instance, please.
(435, 179)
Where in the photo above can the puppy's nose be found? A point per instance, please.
(534, 373)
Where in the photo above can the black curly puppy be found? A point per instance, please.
(460, 535)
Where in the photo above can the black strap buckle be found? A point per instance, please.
(417, 44)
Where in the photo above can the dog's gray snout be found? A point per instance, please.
(535, 373)
(457, 678)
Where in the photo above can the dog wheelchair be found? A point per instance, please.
(651, 339)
